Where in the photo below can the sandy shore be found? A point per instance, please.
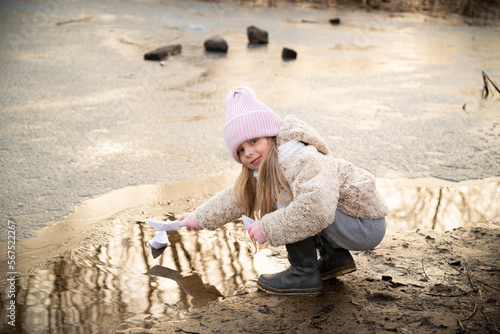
(414, 282)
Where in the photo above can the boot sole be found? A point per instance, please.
(348, 268)
(290, 292)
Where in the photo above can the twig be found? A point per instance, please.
(262, 331)
(423, 268)
(485, 92)
(471, 283)
(188, 332)
(469, 277)
(427, 240)
(321, 320)
(473, 312)
(489, 286)
(489, 321)
(447, 261)
(440, 295)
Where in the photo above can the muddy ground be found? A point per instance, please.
(414, 282)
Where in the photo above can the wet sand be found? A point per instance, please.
(414, 282)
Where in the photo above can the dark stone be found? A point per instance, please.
(216, 44)
(256, 35)
(163, 52)
(288, 54)
(425, 322)
(264, 309)
(335, 21)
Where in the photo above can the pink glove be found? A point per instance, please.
(255, 232)
(191, 222)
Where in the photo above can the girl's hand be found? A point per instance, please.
(255, 232)
(191, 222)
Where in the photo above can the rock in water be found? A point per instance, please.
(288, 54)
(163, 52)
(257, 35)
(335, 21)
(216, 44)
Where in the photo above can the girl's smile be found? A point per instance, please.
(253, 151)
(256, 161)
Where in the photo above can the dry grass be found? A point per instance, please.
(486, 9)
(480, 9)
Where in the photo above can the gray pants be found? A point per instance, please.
(354, 233)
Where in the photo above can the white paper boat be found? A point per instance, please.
(248, 221)
(166, 225)
(160, 240)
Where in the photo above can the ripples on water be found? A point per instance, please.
(91, 290)
(98, 289)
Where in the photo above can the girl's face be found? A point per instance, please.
(253, 151)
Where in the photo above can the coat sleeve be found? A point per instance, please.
(315, 191)
(219, 210)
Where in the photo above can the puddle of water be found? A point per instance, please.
(440, 205)
(93, 289)
(98, 289)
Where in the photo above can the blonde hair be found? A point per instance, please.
(261, 196)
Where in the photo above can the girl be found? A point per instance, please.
(301, 196)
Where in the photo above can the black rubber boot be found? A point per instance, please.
(302, 278)
(333, 262)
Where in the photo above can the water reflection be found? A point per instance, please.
(92, 289)
(95, 288)
(444, 206)
(192, 285)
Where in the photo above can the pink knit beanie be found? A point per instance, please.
(247, 118)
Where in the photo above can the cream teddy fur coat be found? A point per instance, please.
(320, 184)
